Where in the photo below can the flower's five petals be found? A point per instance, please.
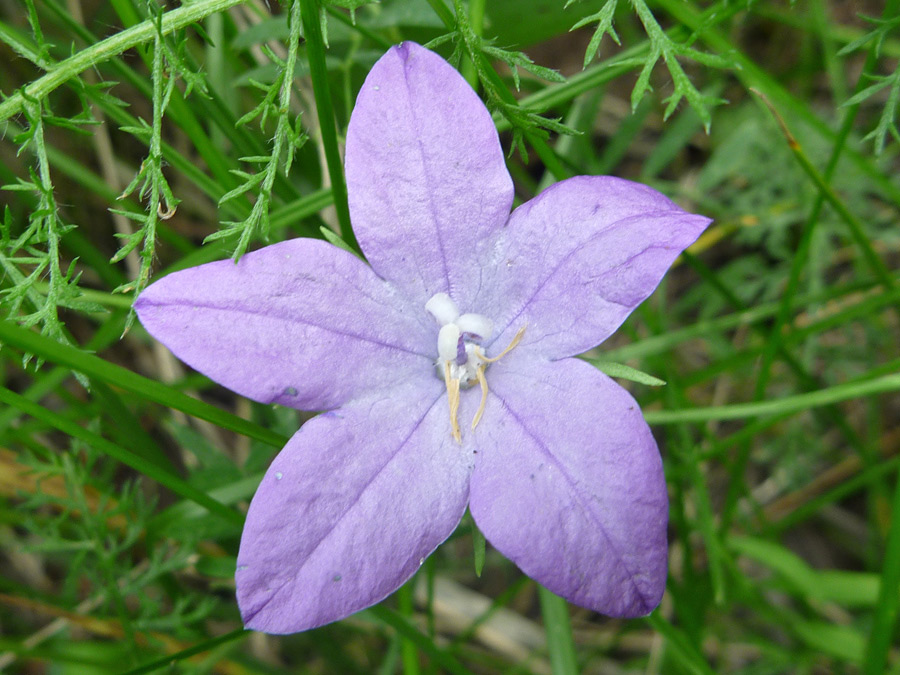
(350, 509)
(568, 484)
(579, 257)
(426, 176)
(300, 323)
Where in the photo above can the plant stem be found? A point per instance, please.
(841, 392)
(115, 44)
(476, 22)
(315, 52)
(558, 628)
(136, 462)
(405, 605)
(12, 335)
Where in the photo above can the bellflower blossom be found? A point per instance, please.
(444, 365)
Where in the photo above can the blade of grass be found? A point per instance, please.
(168, 662)
(683, 652)
(108, 333)
(21, 338)
(315, 51)
(409, 655)
(440, 657)
(881, 635)
(136, 462)
(558, 628)
(800, 402)
(111, 46)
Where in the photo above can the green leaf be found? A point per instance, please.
(843, 642)
(624, 372)
(146, 467)
(788, 404)
(46, 348)
(332, 237)
(849, 589)
(604, 19)
(560, 643)
(478, 547)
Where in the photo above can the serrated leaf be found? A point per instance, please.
(604, 19)
(253, 181)
(131, 242)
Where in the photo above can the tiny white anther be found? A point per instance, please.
(448, 342)
(476, 324)
(442, 308)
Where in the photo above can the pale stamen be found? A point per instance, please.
(453, 399)
(461, 362)
(512, 345)
(482, 380)
(479, 372)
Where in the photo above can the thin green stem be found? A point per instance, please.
(111, 46)
(815, 399)
(13, 335)
(136, 462)
(752, 76)
(881, 635)
(281, 146)
(444, 13)
(48, 207)
(409, 653)
(315, 51)
(476, 22)
(99, 297)
(406, 629)
(558, 627)
(168, 662)
(856, 227)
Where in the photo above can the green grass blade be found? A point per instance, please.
(841, 392)
(315, 50)
(168, 662)
(92, 366)
(149, 469)
(560, 642)
(881, 636)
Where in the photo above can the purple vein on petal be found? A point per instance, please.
(415, 427)
(577, 249)
(428, 177)
(305, 322)
(551, 457)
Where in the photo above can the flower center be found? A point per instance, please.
(461, 362)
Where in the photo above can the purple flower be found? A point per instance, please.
(444, 364)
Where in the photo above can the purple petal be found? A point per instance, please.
(300, 323)
(426, 177)
(350, 509)
(578, 258)
(568, 484)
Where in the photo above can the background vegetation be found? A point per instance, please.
(138, 137)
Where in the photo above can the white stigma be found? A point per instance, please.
(461, 362)
(457, 339)
(442, 308)
(448, 342)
